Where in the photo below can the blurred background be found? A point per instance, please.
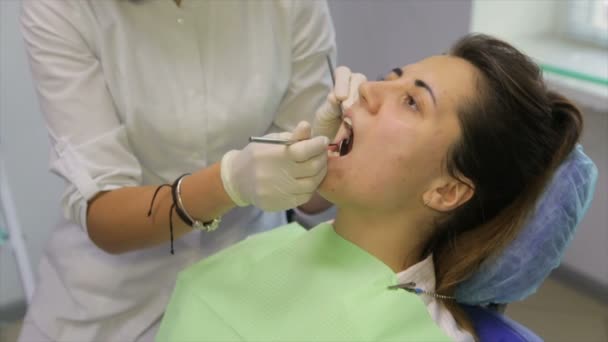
(568, 38)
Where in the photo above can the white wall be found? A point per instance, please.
(509, 19)
(24, 148)
(373, 37)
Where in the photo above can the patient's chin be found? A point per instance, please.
(328, 189)
(333, 189)
(339, 181)
(325, 189)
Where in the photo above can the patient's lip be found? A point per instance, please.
(348, 113)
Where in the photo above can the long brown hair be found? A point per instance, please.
(514, 135)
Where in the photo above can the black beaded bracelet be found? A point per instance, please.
(208, 226)
(173, 206)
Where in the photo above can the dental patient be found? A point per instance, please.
(439, 166)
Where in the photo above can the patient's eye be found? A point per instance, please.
(411, 102)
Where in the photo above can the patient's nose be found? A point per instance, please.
(369, 96)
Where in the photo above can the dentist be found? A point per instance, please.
(141, 93)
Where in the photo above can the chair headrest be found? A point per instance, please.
(521, 268)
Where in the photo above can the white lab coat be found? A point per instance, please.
(137, 92)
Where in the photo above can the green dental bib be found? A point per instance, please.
(290, 284)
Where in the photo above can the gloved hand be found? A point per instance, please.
(276, 177)
(345, 93)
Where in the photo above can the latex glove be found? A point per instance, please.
(276, 177)
(345, 93)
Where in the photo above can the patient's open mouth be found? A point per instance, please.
(344, 142)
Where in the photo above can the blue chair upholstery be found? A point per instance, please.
(521, 268)
(492, 326)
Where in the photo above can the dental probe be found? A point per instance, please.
(276, 141)
(333, 80)
(271, 141)
(287, 141)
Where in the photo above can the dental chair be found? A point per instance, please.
(492, 325)
(522, 267)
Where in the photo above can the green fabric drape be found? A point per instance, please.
(290, 284)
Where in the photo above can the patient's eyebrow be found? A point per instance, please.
(418, 83)
(398, 71)
(422, 84)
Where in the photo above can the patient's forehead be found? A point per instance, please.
(452, 78)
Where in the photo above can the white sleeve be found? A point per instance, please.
(89, 145)
(313, 39)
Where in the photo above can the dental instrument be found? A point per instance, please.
(286, 142)
(271, 141)
(333, 81)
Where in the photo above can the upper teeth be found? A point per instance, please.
(348, 122)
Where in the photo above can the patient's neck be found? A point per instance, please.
(396, 240)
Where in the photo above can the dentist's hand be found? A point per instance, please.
(276, 177)
(345, 93)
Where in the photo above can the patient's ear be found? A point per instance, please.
(448, 193)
